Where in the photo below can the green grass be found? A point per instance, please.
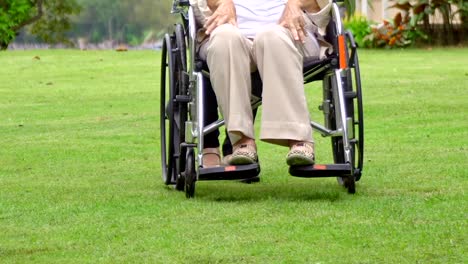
(80, 171)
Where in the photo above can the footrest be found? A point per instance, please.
(320, 170)
(231, 172)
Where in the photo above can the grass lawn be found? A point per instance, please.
(80, 171)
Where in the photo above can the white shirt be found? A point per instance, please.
(254, 15)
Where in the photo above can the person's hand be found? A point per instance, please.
(225, 13)
(293, 20)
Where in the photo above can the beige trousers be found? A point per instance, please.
(279, 59)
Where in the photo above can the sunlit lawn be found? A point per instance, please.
(80, 171)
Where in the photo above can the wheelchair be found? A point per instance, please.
(182, 124)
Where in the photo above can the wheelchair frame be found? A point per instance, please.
(182, 119)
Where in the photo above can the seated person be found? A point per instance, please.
(273, 37)
(211, 152)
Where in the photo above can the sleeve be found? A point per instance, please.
(321, 18)
(316, 26)
(200, 10)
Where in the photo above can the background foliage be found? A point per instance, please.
(124, 21)
(436, 22)
(50, 19)
(55, 21)
(138, 21)
(420, 16)
(360, 26)
(11, 15)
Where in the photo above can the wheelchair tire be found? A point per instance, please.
(190, 174)
(360, 117)
(167, 114)
(173, 108)
(354, 109)
(181, 102)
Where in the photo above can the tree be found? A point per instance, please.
(123, 21)
(50, 19)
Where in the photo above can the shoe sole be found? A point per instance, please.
(299, 160)
(241, 160)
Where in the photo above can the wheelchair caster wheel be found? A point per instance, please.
(189, 189)
(180, 183)
(349, 183)
(190, 175)
(357, 174)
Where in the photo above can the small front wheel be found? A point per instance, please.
(349, 182)
(190, 174)
(180, 182)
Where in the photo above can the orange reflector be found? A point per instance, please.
(320, 167)
(342, 52)
(230, 168)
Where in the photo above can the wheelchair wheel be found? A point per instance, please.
(190, 174)
(353, 102)
(359, 121)
(173, 107)
(354, 110)
(167, 114)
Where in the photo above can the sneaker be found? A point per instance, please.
(243, 154)
(301, 154)
(211, 157)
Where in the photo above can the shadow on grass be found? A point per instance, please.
(301, 190)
